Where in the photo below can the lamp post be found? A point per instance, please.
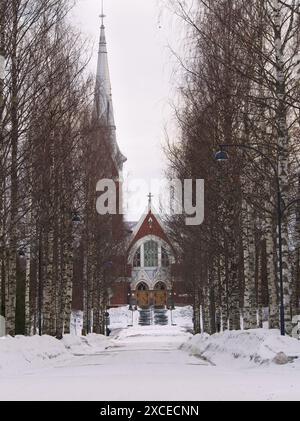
(171, 305)
(40, 290)
(107, 265)
(281, 208)
(132, 310)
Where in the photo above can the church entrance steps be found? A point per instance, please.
(153, 316)
(161, 317)
(145, 318)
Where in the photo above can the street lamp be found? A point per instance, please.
(281, 208)
(76, 219)
(22, 253)
(222, 156)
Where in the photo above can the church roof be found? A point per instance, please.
(150, 223)
(103, 98)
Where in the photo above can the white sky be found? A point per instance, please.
(141, 67)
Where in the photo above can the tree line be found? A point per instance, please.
(54, 248)
(239, 86)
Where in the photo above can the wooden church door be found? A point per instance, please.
(142, 296)
(160, 295)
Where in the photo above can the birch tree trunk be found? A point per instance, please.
(97, 303)
(14, 140)
(219, 296)
(250, 320)
(296, 280)
(283, 152)
(48, 295)
(27, 291)
(68, 284)
(2, 176)
(271, 269)
(197, 315)
(225, 292)
(258, 283)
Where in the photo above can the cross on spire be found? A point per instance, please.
(102, 16)
(150, 197)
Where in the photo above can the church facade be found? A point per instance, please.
(150, 261)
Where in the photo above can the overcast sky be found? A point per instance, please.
(141, 66)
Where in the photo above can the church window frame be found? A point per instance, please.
(165, 260)
(137, 260)
(151, 251)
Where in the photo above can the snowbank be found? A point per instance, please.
(245, 348)
(85, 345)
(183, 316)
(119, 317)
(22, 354)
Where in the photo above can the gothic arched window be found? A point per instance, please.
(160, 286)
(164, 258)
(151, 254)
(137, 259)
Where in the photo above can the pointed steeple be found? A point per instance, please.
(150, 197)
(103, 94)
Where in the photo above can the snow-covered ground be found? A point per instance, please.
(245, 349)
(151, 363)
(21, 355)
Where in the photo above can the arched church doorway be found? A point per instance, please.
(160, 295)
(142, 295)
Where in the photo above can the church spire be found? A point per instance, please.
(103, 94)
(102, 16)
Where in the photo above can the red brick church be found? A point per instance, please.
(146, 278)
(151, 263)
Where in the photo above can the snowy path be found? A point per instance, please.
(146, 364)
